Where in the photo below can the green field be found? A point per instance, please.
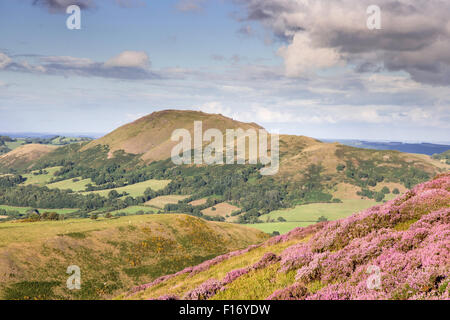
(26, 209)
(14, 144)
(137, 189)
(40, 179)
(79, 185)
(304, 215)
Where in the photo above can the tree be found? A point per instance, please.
(322, 219)
(396, 191)
(379, 196)
(113, 194)
(385, 190)
(94, 216)
(281, 219)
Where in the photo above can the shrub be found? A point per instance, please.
(385, 190)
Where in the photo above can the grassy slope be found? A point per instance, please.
(349, 246)
(24, 156)
(136, 189)
(151, 135)
(113, 254)
(79, 185)
(304, 215)
(40, 179)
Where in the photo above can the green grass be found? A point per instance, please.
(26, 209)
(183, 283)
(70, 184)
(14, 144)
(305, 215)
(41, 179)
(281, 227)
(257, 285)
(311, 212)
(137, 189)
(114, 255)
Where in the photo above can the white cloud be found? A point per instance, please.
(301, 57)
(129, 59)
(414, 35)
(4, 60)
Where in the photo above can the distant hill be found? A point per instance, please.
(398, 250)
(421, 148)
(150, 136)
(113, 254)
(316, 170)
(443, 157)
(25, 155)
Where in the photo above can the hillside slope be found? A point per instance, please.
(24, 156)
(150, 135)
(405, 241)
(113, 254)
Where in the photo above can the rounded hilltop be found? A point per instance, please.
(150, 135)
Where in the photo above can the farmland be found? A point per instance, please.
(304, 215)
(161, 201)
(136, 189)
(76, 184)
(40, 179)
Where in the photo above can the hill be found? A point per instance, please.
(421, 148)
(24, 156)
(310, 171)
(150, 136)
(113, 254)
(443, 157)
(397, 250)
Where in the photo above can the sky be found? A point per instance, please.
(300, 67)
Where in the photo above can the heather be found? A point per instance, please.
(396, 250)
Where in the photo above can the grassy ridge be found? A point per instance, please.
(113, 254)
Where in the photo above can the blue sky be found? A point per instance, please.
(285, 65)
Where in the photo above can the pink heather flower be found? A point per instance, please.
(233, 275)
(268, 259)
(205, 291)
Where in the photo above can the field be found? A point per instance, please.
(133, 209)
(222, 209)
(40, 179)
(137, 189)
(113, 254)
(14, 144)
(79, 185)
(304, 215)
(198, 202)
(26, 209)
(161, 201)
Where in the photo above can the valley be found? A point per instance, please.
(120, 201)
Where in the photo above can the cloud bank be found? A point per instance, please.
(415, 35)
(129, 65)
